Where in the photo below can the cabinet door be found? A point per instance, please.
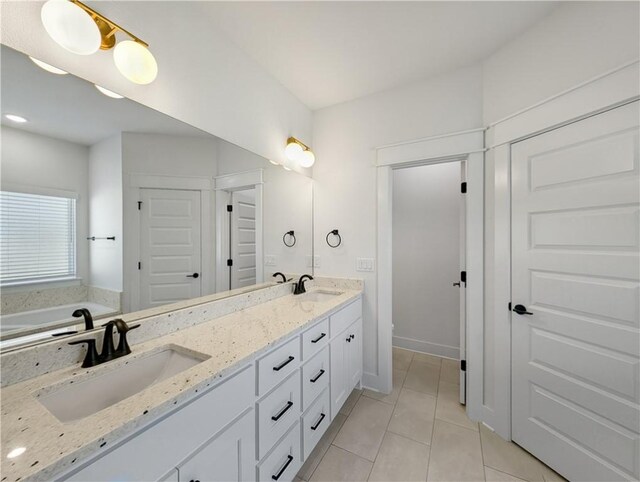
(227, 458)
(354, 349)
(339, 361)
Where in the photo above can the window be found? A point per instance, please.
(37, 237)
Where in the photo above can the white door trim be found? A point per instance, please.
(222, 186)
(429, 151)
(131, 236)
(608, 90)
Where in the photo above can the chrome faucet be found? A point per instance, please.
(108, 352)
(299, 286)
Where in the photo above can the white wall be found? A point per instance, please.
(426, 258)
(30, 159)
(578, 41)
(105, 213)
(204, 79)
(345, 176)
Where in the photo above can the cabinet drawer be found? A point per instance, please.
(315, 377)
(277, 412)
(340, 320)
(315, 422)
(314, 339)
(151, 453)
(283, 463)
(277, 365)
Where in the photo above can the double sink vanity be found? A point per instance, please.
(235, 389)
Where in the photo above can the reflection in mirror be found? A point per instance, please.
(113, 207)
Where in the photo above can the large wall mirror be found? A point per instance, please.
(110, 206)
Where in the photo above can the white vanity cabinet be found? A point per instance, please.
(259, 423)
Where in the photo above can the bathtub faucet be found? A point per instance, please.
(88, 319)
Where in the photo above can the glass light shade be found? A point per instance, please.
(307, 158)
(293, 151)
(71, 27)
(107, 92)
(135, 62)
(48, 67)
(16, 118)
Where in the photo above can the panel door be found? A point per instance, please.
(170, 246)
(354, 349)
(575, 262)
(243, 239)
(227, 458)
(339, 361)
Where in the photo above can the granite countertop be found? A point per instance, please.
(229, 342)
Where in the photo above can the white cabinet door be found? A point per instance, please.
(229, 457)
(354, 351)
(339, 361)
(575, 336)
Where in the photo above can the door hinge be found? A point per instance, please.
(463, 188)
(229, 208)
(463, 365)
(139, 265)
(463, 277)
(229, 262)
(139, 205)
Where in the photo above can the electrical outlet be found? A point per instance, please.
(365, 264)
(269, 260)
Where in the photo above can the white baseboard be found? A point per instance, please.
(436, 349)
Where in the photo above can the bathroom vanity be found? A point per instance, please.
(245, 396)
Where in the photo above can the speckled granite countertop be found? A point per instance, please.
(230, 342)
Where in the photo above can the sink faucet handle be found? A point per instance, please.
(91, 359)
(123, 344)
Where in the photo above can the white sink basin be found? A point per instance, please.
(84, 398)
(319, 295)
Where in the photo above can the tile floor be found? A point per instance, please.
(419, 432)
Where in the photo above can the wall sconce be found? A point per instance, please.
(299, 152)
(78, 28)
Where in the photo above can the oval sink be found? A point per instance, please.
(319, 295)
(86, 397)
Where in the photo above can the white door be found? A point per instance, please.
(463, 284)
(243, 238)
(575, 262)
(170, 256)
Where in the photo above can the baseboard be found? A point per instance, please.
(436, 349)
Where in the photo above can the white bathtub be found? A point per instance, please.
(49, 318)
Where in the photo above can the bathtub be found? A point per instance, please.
(49, 320)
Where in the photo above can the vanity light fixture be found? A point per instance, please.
(48, 67)
(299, 152)
(17, 452)
(18, 119)
(108, 93)
(81, 30)
(275, 163)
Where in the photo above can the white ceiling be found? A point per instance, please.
(331, 52)
(69, 108)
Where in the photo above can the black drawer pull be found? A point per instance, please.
(275, 418)
(318, 422)
(284, 467)
(315, 379)
(322, 335)
(284, 364)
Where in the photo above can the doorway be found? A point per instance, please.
(242, 238)
(428, 260)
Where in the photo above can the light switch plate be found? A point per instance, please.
(365, 264)
(269, 260)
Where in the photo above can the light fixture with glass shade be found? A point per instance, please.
(107, 92)
(299, 152)
(81, 30)
(48, 67)
(18, 119)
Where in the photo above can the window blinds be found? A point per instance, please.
(37, 237)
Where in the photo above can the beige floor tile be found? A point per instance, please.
(492, 475)
(423, 377)
(426, 358)
(398, 380)
(350, 402)
(321, 448)
(400, 459)
(413, 415)
(550, 475)
(509, 458)
(340, 465)
(450, 371)
(364, 429)
(401, 358)
(449, 408)
(455, 454)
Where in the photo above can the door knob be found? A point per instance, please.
(194, 275)
(521, 310)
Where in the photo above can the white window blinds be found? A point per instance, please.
(37, 237)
